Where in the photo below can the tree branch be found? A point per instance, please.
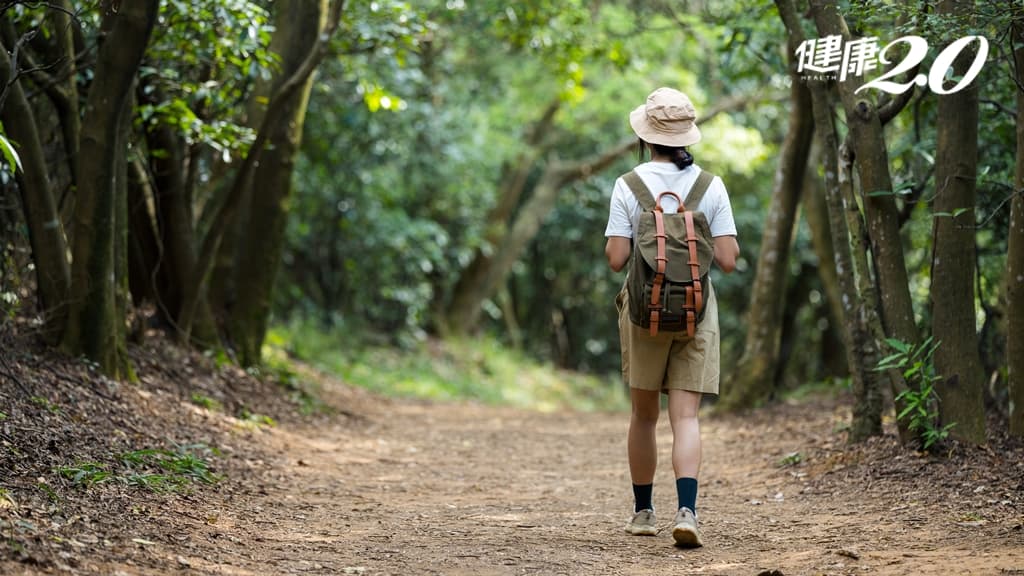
(8, 4)
(15, 72)
(892, 107)
(1000, 107)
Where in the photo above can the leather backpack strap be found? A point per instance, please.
(640, 190)
(691, 244)
(699, 188)
(694, 294)
(655, 305)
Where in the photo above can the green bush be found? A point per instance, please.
(921, 403)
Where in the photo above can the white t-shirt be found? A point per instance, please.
(659, 177)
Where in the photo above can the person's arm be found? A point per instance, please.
(617, 251)
(727, 250)
(619, 230)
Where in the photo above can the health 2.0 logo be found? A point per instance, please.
(830, 58)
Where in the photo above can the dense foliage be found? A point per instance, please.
(446, 171)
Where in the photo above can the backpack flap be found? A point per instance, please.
(678, 267)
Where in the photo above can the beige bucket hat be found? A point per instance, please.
(667, 118)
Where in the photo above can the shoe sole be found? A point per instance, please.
(686, 537)
(650, 531)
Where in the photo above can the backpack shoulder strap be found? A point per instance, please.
(700, 187)
(639, 189)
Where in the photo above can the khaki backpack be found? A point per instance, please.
(672, 255)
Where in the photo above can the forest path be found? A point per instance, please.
(422, 488)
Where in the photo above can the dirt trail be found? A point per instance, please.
(416, 488)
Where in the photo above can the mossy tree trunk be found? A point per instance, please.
(260, 251)
(957, 361)
(1015, 259)
(94, 328)
(122, 290)
(865, 327)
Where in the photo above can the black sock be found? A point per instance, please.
(687, 490)
(642, 496)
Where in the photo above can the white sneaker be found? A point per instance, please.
(643, 524)
(685, 531)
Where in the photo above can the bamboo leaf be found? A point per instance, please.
(10, 154)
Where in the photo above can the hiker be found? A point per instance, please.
(674, 349)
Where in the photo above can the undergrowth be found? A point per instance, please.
(155, 469)
(480, 369)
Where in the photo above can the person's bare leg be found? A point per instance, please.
(643, 460)
(682, 412)
(643, 448)
(683, 406)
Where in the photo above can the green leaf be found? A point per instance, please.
(10, 154)
(905, 411)
(898, 345)
(889, 359)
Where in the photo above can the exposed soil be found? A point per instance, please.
(403, 487)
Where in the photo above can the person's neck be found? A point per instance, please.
(660, 158)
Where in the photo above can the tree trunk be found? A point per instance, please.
(953, 253)
(860, 351)
(173, 213)
(872, 163)
(1015, 259)
(753, 379)
(122, 290)
(867, 144)
(45, 231)
(46, 234)
(487, 275)
(867, 331)
(93, 328)
(510, 190)
(260, 254)
(64, 92)
(795, 299)
(143, 244)
(815, 211)
(221, 292)
(221, 221)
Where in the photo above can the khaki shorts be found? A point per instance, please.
(670, 360)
